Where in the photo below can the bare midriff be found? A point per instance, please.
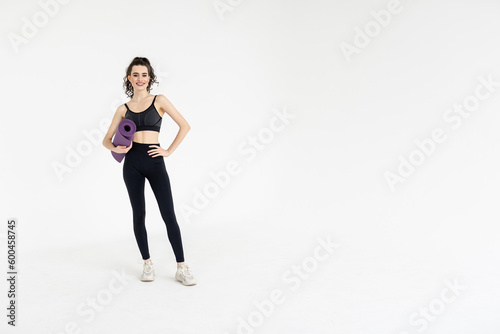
(146, 137)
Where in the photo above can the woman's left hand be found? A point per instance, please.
(158, 151)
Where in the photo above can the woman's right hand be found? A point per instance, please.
(122, 148)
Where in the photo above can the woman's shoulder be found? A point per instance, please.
(162, 102)
(161, 97)
(122, 110)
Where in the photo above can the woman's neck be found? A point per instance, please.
(138, 97)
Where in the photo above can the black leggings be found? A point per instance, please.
(138, 166)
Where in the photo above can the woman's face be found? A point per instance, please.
(139, 77)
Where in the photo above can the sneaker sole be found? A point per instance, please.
(148, 279)
(194, 283)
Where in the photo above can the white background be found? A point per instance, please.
(322, 176)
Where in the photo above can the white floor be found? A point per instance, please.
(354, 287)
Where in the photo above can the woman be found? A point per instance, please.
(144, 160)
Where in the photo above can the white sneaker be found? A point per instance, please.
(148, 272)
(184, 276)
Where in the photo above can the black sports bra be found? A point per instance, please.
(148, 119)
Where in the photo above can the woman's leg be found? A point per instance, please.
(134, 181)
(160, 184)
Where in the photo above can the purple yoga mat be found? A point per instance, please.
(123, 136)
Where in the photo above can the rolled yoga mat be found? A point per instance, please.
(123, 136)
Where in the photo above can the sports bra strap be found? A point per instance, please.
(151, 103)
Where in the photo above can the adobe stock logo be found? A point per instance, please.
(426, 147)
(30, 28)
(295, 277)
(248, 150)
(83, 148)
(99, 302)
(421, 320)
(372, 29)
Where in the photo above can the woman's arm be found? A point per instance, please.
(117, 118)
(184, 127)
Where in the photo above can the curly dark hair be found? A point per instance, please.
(129, 90)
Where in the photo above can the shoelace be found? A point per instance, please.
(148, 267)
(185, 270)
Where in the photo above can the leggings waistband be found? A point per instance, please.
(142, 146)
(139, 150)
